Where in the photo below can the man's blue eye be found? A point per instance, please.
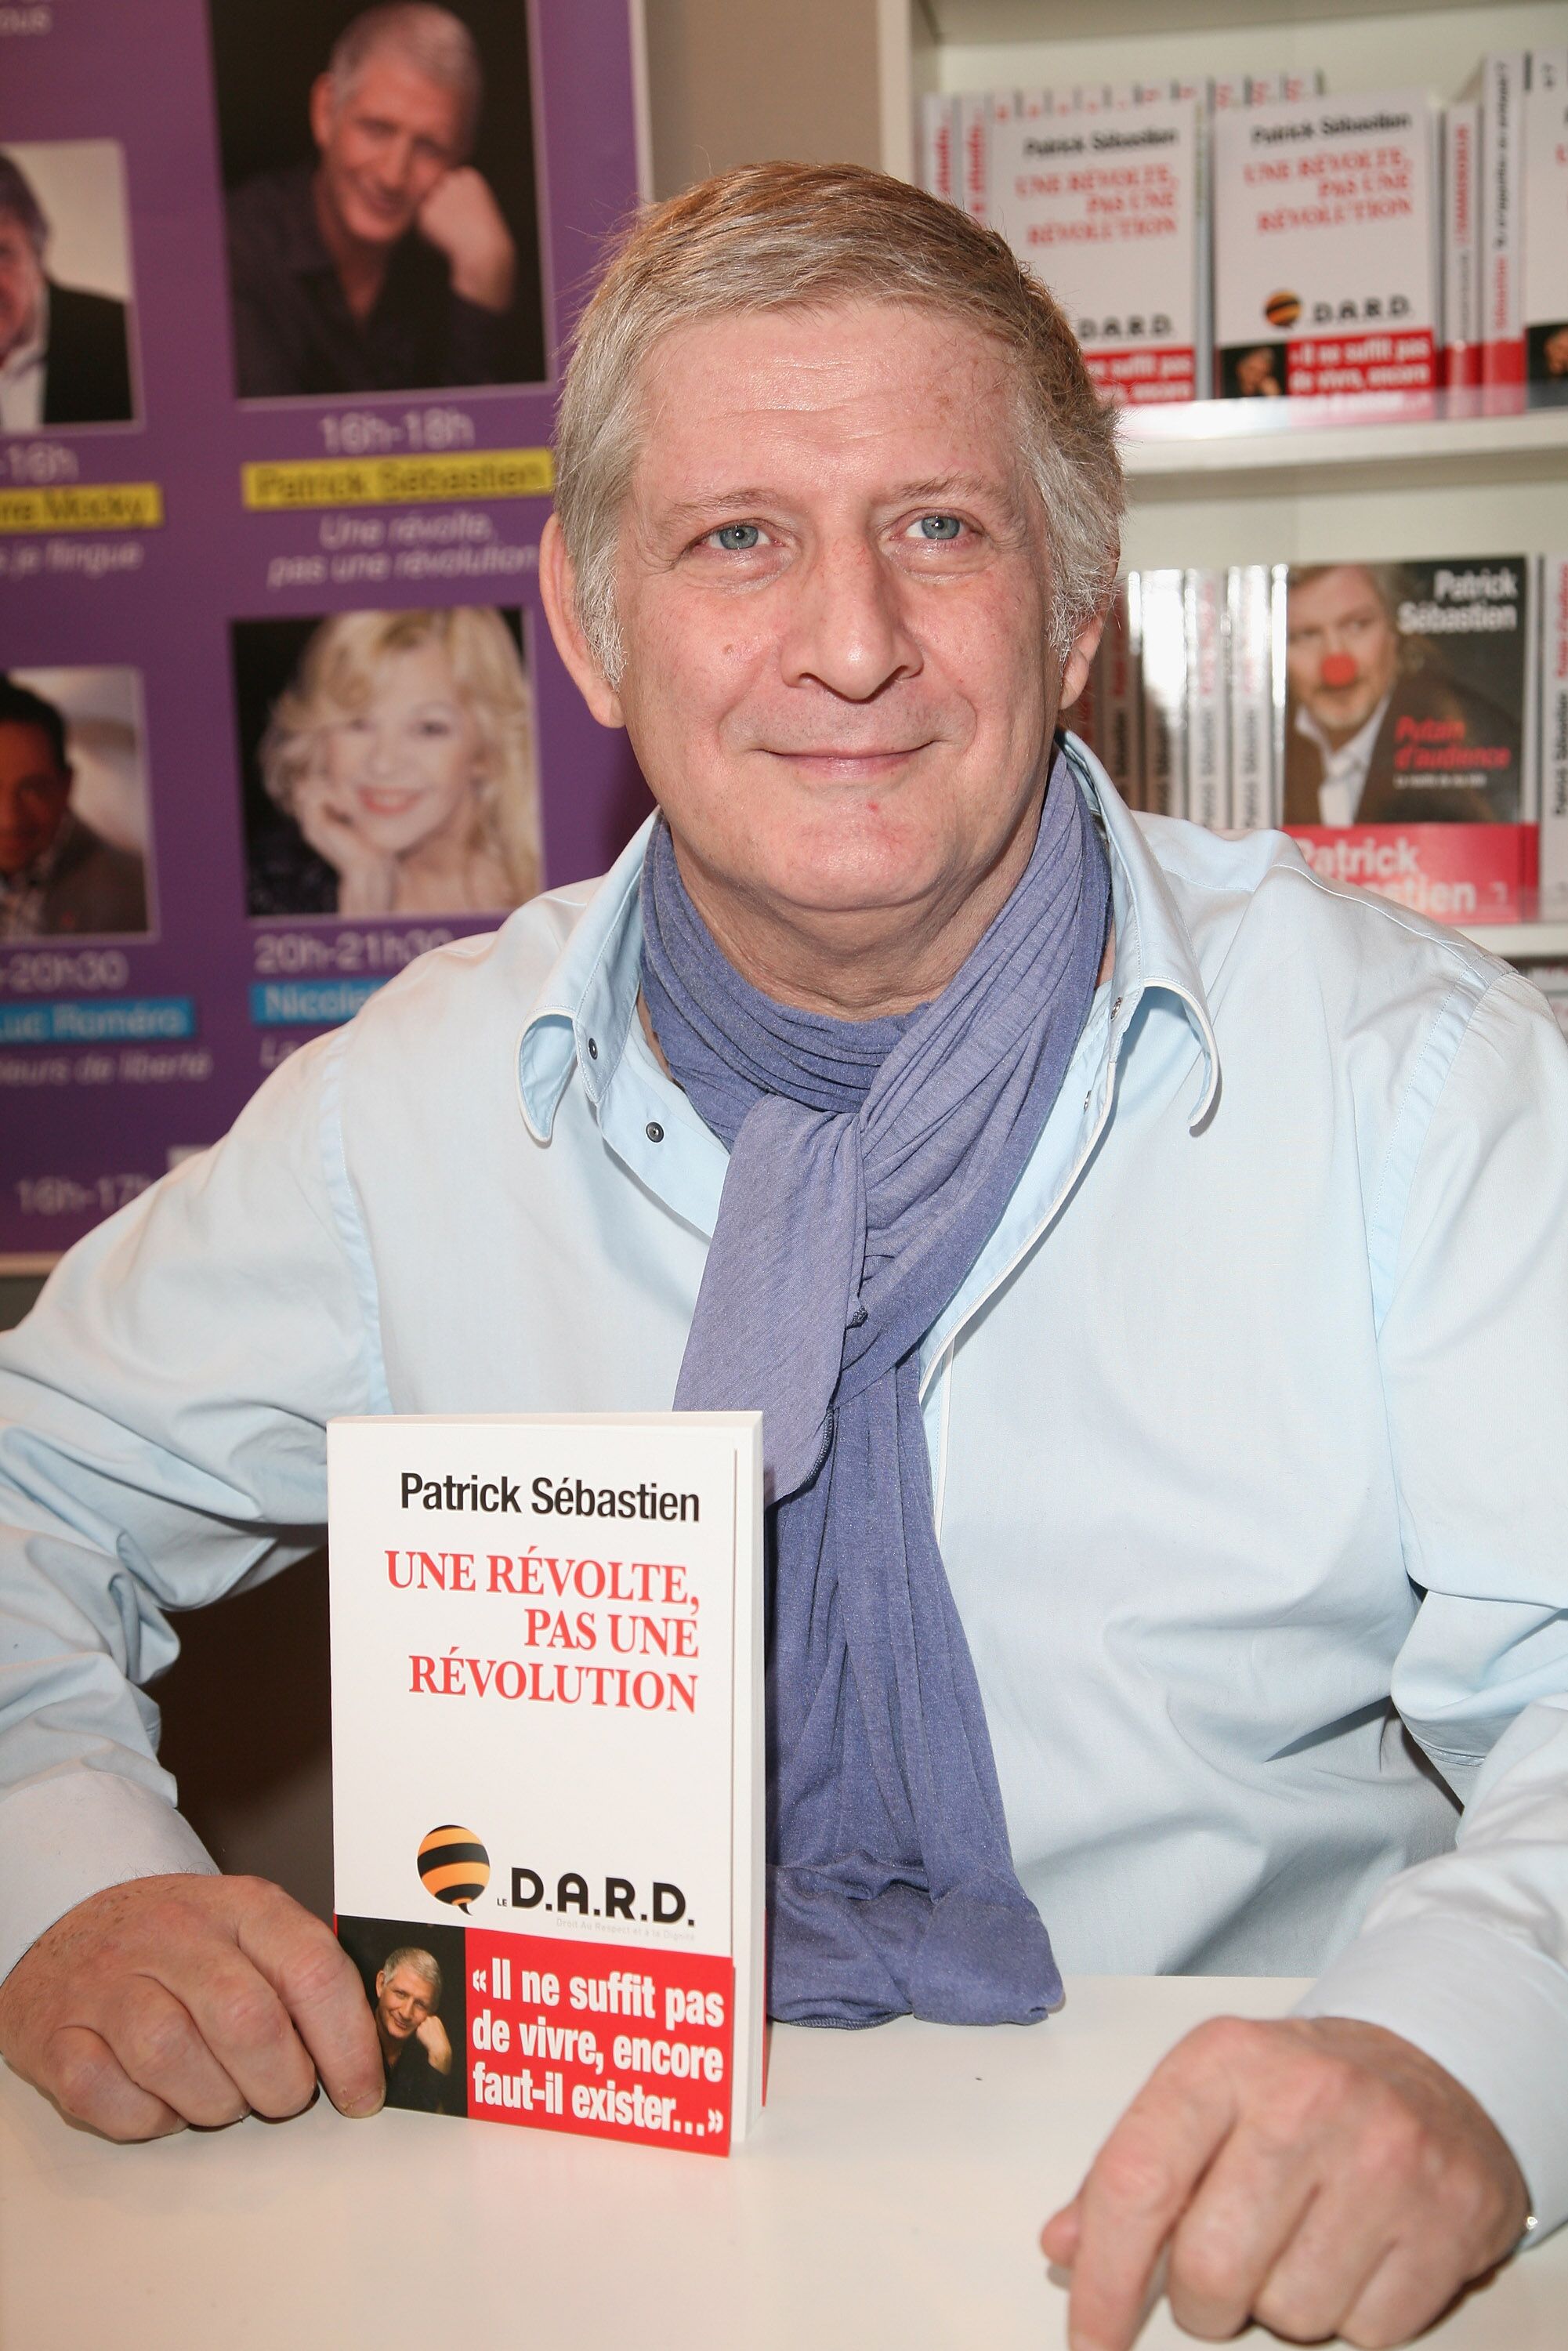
(739, 538)
(940, 526)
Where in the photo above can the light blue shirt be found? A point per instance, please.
(1247, 1426)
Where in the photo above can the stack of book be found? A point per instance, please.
(1253, 238)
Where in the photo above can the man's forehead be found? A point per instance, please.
(923, 400)
(387, 80)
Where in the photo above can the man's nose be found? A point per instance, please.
(847, 630)
(1338, 667)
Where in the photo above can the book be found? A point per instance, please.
(1499, 87)
(547, 1764)
(974, 167)
(1461, 247)
(1553, 738)
(938, 173)
(1109, 210)
(1255, 642)
(1162, 611)
(1408, 726)
(1326, 247)
(1207, 715)
(1120, 694)
(1545, 181)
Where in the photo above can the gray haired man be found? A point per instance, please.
(1151, 1263)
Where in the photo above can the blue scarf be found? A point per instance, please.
(870, 1162)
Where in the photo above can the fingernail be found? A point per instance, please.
(371, 2103)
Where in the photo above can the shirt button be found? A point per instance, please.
(1115, 1008)
(592, 1050)
(653, 1131)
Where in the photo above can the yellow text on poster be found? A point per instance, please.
(398, 481)
(89, 505)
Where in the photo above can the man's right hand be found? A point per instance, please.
(189, 2000)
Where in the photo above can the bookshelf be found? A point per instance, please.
(1206, 485)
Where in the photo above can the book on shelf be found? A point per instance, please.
(1119, 694)
(1545, 214)
(1461, 174)
(1108, 209)
(1498, 87)
(1408, 726)
(1255, 641)
(1325, 248)
(1208, 711)
(1553, 738)
(939, 145)
(1161, 608)
(546, 1765)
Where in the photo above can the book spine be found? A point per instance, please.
(1164, 728)
(1461, 247)
(1209, 781)
(1552, 737)
(1504, 81)
(1545, 215)
(1249, 611)
(1122, 698)
(974, 155)
(1279, 640)
(937, 143)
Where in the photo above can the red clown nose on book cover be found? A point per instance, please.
(547, 1774)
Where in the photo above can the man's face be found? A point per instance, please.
(403, 2001)
(1555, 350)
(21, 285)
(834, 590)
(33, 794)
(382, 151)
(1341, 653)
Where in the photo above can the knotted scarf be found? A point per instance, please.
(870, 1162)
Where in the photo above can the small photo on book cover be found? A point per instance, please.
(1407, 692)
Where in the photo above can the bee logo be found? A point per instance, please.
(1283, 309)
(454, 1865)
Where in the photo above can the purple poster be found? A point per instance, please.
(283, 289)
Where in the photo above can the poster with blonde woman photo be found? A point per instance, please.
(390, 764)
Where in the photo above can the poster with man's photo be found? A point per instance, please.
(280, 329)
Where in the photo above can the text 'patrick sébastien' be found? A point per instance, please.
(557, 1498)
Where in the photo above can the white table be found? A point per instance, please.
(889, 2202)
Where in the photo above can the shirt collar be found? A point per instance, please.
(589, 1002)
(1356, 751)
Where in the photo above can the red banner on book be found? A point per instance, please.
(1450, 873)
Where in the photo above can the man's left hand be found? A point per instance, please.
(462, 219)
(1320, 2175)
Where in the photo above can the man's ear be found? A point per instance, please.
(381, 1979)
(323, 106)
(558, 585)
(1080, 661)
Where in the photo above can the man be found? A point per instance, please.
(64, 353)
(1352, 684)
(416, 2049)
(1151, 1262)
(57, 877)
(387, 266)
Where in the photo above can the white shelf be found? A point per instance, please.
(1517, 942)
(1206, 448)
(965, 23)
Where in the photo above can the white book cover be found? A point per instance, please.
(1208, 778)
(1162, 672)
(1326, 247)
(1553, 738)
(974, 166)
(938, 143)
(1250, 682)
(1546, 221)
(548, 1764)
(1461, 246)
(1227, 90)
(1107, 211)
(1499, 85)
